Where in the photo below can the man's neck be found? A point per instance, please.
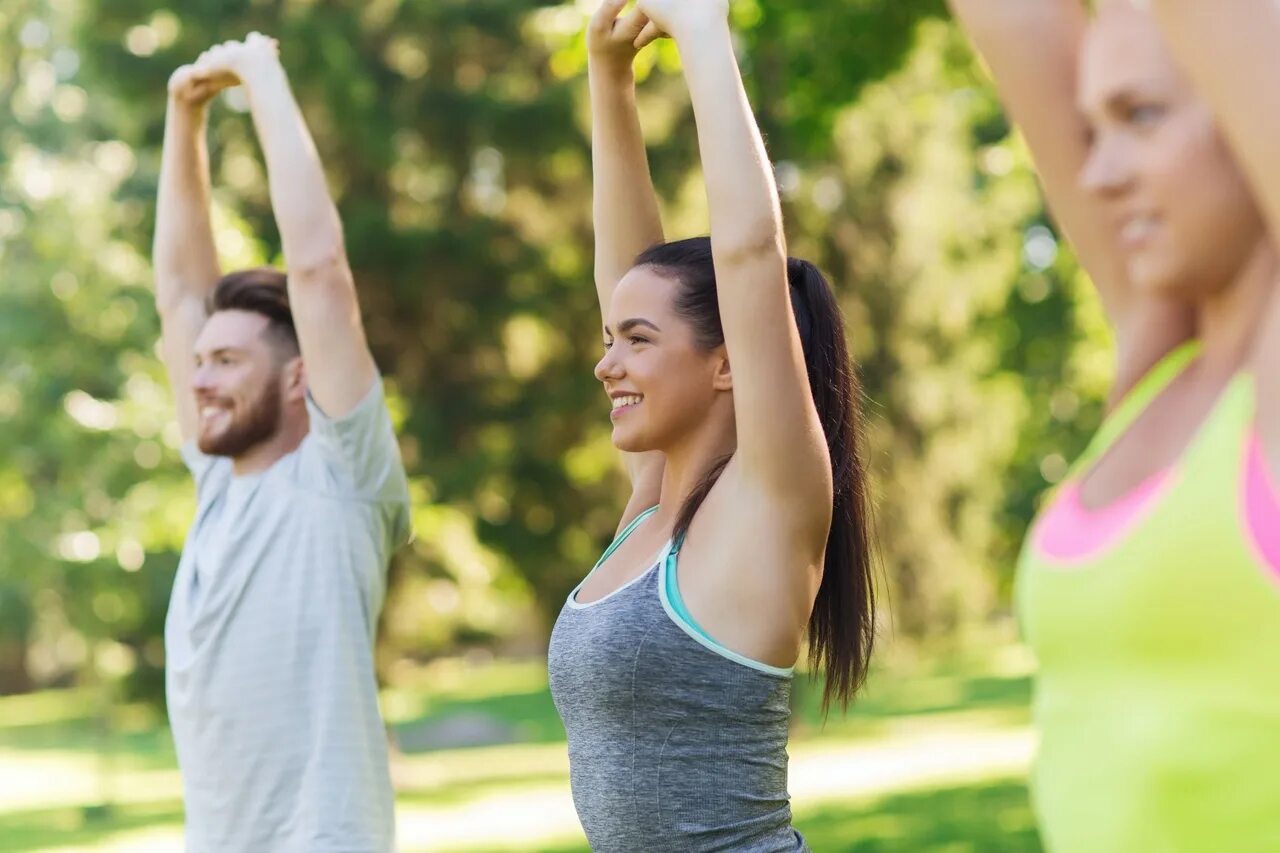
(263, 455)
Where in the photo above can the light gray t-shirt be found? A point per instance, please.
(269, 643)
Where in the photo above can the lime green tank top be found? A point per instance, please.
(1156, 624)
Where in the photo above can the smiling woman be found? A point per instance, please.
(655, 363)
(733, 402)
(1147, 587)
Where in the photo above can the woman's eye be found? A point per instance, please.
(1145, 113)
(638, 339)
(607, 345)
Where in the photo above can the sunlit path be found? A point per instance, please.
(523, 816)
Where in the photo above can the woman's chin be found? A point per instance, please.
(626, 441)
(1164, 278)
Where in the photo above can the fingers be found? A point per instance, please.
(181, 84)
(213, 56)
(219, 59)
(214, 67)
(628, 29)
(193, 87)
(190, 82)
(181, 78)
(219, 67)
(648, 35)
(200, 90)
(222, 53)
(602, 20)
(256, 39)
(219, 53)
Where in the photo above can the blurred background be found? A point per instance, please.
(456, 134)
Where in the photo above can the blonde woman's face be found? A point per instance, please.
(1182, 214)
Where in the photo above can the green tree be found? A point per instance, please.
(457, 143)
(84, 499)
(967, 320)
(455, 133)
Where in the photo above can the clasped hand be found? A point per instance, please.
(222, 66)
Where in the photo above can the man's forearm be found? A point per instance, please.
(305, 213)
(184, 254)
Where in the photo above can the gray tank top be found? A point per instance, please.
(675, 743)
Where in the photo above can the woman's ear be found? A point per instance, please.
(724, 375)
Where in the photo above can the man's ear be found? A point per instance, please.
(295, 379)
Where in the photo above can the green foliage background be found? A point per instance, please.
(456, 136)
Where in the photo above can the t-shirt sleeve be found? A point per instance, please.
(203, 467)
(360, 449)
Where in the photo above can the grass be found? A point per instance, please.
(990, 816)
(931, 761)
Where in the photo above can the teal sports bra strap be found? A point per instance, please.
(627, 531)
(613, 546)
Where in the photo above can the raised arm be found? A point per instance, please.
(624, 203)
(1229, 50)
(340, 370)
(781, 446)
(1032, 48)
(184, 258)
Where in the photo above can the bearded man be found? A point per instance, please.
(301, 497)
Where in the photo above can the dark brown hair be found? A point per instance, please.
(261, 291)
(842, 625)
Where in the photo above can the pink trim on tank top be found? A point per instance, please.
(1261, 504)
(1070, 532)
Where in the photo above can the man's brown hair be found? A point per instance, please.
(260, 291)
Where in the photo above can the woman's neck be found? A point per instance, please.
(689, 461)
(1227, 323)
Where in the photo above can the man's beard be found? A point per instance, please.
(258, 424)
